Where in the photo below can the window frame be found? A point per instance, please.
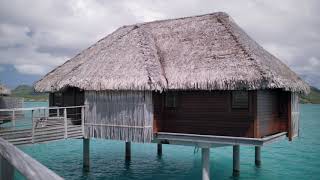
(238, 106)
(173, 104)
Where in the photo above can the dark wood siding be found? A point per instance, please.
(272, 112)
(203, 112)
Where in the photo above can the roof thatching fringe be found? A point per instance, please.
(207, 52)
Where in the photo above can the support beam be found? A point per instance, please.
(205, 153)
(128, 151)
(86, 154)
(6, 169)
(257, 156)
(159, 149)
(236, 160)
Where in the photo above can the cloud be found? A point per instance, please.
(30, 69)
(40, 35)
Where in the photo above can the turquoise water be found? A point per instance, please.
(299, 159)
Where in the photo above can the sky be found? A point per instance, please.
(37, 36)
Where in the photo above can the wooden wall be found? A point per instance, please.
(203, 112)
(119, 115)
(211, 113)
(272, 112)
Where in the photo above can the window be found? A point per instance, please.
(240, 100)
(170, 101)
(57, 98)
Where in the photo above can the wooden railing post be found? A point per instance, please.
(6, 169)
(65, 123)
(13, 119)
(82, 120)
(33, 127)
(58, 112)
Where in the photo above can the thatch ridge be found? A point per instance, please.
(205, 52)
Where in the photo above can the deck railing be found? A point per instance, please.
(42, 124)
(12, 158)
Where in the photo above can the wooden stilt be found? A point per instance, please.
(159, 149)
(258, 156)
(128, 151)
(86, 154)
(205, 153)
(236, 160)
(6, 169)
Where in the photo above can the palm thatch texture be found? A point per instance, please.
(4, 90)
(207, 52)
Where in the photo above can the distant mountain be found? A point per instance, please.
(313, 97)
(28, 93)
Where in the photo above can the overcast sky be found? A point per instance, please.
(38, 35)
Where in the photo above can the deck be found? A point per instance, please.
(40, 125)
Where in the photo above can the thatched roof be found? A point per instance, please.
(207, 52)
(4, 90)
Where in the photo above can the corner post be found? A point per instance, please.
(205, 153)
(86, 154)
(65, 123)
(58, 112)
(33, 127)
(159, 149)
(6, 169)
(257, 156)
(82, 120)
(128, 151)
(236, 160)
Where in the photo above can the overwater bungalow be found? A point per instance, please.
(6, 101)
(4, 91)
(199, 81)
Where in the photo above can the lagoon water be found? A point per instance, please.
(299, 159)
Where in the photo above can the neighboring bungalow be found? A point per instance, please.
(8, 102)
(4, 91)
(197, 80)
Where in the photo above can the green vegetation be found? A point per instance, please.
(28, 93)
(313, 97)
